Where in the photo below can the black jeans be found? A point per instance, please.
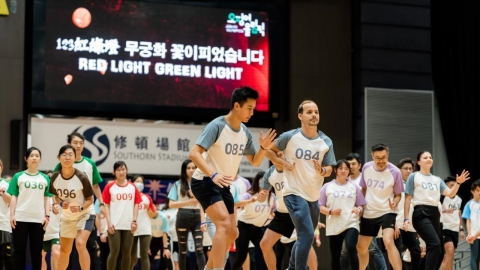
(350, 236)
(188, 220)
(22, 232)
(246, 233)
(156, 244)
(426, 221)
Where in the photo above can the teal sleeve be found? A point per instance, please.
(13, 187)
(235, 196)
(173, 194)
(165, 226)
(466, 211)
(410, 186)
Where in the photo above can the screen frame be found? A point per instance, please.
(278, 26)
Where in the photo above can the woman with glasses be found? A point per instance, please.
(74, 193)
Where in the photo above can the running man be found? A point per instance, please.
(309, 159)
(382, 184)
(217, 154)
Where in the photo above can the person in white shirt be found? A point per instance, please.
(471, 212)
(74, 193)
(381, 182)
(378, 260)
(309, 157)
(122, 199)
(190, 216)
(143, 234)
(217, 155)
(452, 224)
(51, 238)
(5, 228)
(423, 191)
(89, 168)
(29, 210)
(257, 205)
(342, 202)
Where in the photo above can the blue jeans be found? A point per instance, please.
(377, 255)
(304, 216)
(474, 254)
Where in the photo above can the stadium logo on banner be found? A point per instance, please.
(97, 145)
(244, 24)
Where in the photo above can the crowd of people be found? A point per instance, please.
(369, 209)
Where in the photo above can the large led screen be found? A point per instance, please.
(152, 54)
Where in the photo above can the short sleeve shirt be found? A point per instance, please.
(274, 178)
(381, 186)
(224, 147)
(424, 189)
(304, 181)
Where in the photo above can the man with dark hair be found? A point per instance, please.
(378, 260)
(381, 182)
(87, 166)
(309, 157)
(217, 154)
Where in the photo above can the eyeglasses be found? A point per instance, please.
(407, 169)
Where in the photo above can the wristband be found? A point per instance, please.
(213, 176)
(405, 219)
(134, 221)
(61, 204)
(330, 212)
(102, 204)
(165, 248)
(201, 223)
(261, 147)
(80, 208)
(458, 183)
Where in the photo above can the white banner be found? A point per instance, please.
(155, 149)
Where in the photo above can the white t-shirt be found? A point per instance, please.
(144, 226)
(53, 227)
(381, 186)
(171, 214)
(472, 211)
(224, 147)
(274, 178)
(30, 191)
(424, 189)
(451, 221)
(122, 200)
(160, 224)
(175, 195)
(74, 190)
(304, 181)
(345, 197)
(88, 167)
(4, 210)
(256, 213)
(356, 181)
